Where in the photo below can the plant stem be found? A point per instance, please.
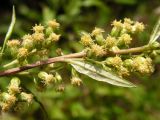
(69, 56)
(40, 63)
(132, 50)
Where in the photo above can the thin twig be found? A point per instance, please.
(132, 50)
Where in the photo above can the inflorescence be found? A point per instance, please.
(100, 49)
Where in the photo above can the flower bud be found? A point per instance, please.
(127, 25)
(38, 37)
(117, 27)
(143, 65)
(97, 50)
(38, 28)
(13, 43)
(47, 78)
(53, 24)
(60, 88)
(86, 40)
(110, 42)
(28, 42)
(100, 39)
(54, 37)
(9, 101)
(97, 31)
(128, 20)
(76, 81)
(51, 39)
(22, 53)
(13, 87)
(124, 39)
(13, 46)
(126, 28)
(114, 61)
(26, 97)
(123, 72)
(138, 27)
(128, 63)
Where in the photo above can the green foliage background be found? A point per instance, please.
(93, 100)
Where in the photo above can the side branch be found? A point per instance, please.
(132, 50)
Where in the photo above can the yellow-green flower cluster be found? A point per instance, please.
(41, 39)
(142, 65)
(116, 63)
(9, 100)
(49, 79)
(120, 37)
(94, 42)
(127, 26)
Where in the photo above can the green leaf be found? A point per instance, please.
(9, 30)
(99, 73)
(156, 33)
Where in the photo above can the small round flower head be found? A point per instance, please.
(27, 41)
(53, 24)
(60, 88)
(49, 79)
(27, 97)
(86, 40)
(128, 63)
(13, 87)
(97, 31)
(114, 61)
(38, 28)
(6, 107)
(123, 72)
(110, 42)
(9, 101)
(97, 50)
(128, 20)
(38, 37)
(54, 37)
(127, 27)
(138, 27)
(117, 24)
(22, 52)
(76, 81)
(125, 39)
(143, 65)
(28, 36)
(13, 43)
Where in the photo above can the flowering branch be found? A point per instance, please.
(64, 57)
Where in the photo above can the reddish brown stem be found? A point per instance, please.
(40, 63)
(62, 59)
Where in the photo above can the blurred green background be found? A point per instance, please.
(93, 100)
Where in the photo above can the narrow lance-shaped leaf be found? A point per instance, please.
(156, 33)
(99, 73)
(10, 29)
